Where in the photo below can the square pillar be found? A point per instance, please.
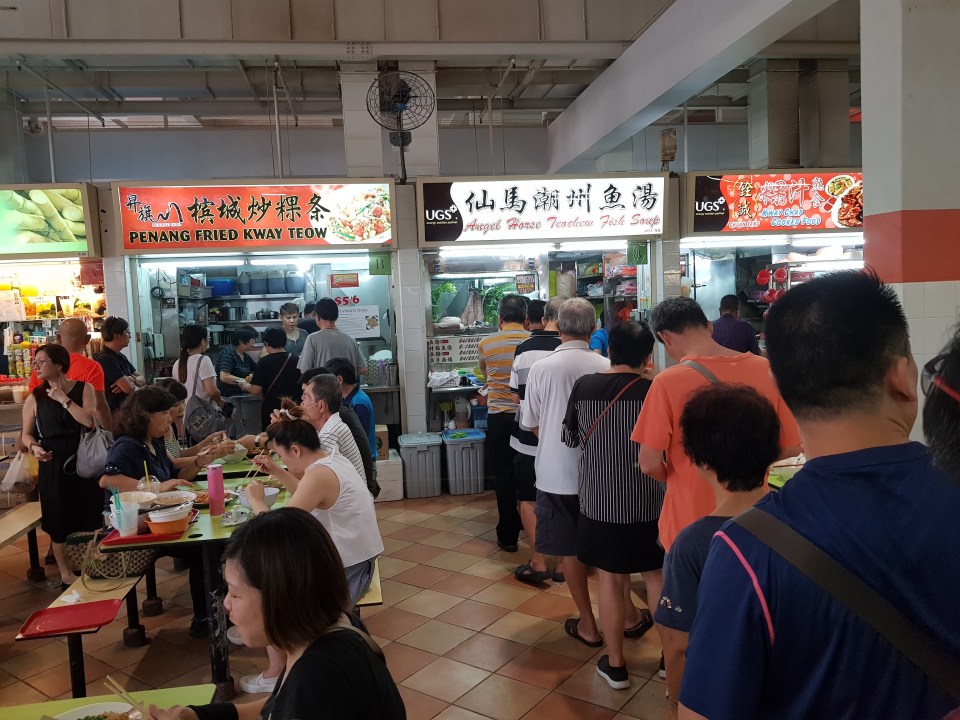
(825, 115)
(773, 117)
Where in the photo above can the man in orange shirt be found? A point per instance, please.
(680, 324)
(74, 337)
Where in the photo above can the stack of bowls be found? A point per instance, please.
(170, 520)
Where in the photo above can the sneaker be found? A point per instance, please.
(616, 677)
(257, 684)
(233, 635)
(198, 628)
(662, 672)
(506, 547)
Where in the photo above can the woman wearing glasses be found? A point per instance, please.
(940, 382)
(55, 415)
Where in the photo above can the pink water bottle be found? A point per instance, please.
(215, 489)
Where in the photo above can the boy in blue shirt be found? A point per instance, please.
(356, 398)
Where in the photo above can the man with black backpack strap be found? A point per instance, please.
(836, 597)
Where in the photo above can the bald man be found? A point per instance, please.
(74, 337)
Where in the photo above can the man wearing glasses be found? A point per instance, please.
(120, 376)
(869, 512)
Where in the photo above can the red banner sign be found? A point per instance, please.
(233, 217)
(792, 202)
(344, 280)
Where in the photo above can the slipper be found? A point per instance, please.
(558, 577)
(526, 573)
(646, 622)
(571, 627)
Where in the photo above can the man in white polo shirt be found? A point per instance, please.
(549, 384)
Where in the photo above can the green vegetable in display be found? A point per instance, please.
(440, 303)
(491, 301)
(458, 435)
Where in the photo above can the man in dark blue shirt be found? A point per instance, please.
(767, 641)
(732, 332)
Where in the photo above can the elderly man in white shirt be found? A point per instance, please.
(549, 384)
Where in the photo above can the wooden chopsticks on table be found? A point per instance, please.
(115, 687)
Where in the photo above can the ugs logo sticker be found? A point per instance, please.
(715, 206)
(448, 214)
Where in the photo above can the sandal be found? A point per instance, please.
(571, 627)
(526, 573)
(558, 576)
(646, 622)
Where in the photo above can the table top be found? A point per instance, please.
(231, 470)
(206, 529)
(189, 695)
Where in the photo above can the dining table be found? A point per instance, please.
(167, 697)
(209, 535)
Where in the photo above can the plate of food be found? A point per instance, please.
(839, 184)
(359, 217)
(848, 210)
(101, 711)
(203, 498)
(175, 497)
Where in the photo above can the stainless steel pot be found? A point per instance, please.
(235, 313)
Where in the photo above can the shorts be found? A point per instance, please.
(557, 518)
(525, 477)
(358, 579)
(622, 548)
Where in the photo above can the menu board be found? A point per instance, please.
(359, 321)
(808, 201)
(227, 216)
(547, 208)
(48, 220)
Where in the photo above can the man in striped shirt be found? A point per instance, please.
(496, 362)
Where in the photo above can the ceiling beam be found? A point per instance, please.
(535, 67)
(343, 51)
(800, 50)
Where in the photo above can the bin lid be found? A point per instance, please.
(464, 435)
(419, 439)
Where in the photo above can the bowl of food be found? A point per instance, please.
(170, 514)
(169, 527)
(144, 500)
(175, 497)
(238, 455)
(270, 495)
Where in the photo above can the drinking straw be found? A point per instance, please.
(146, 476)
(116, 499)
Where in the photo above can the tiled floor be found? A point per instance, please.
(463, 639)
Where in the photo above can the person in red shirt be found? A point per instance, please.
(74, 337)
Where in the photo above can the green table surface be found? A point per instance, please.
(231, 469)
(206, 529)
(189, 695)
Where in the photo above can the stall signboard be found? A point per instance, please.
(359, 321)
(344, 280)
(247, 216)
(49, 221)
(786, 202)
(554, 207)
(526, 283)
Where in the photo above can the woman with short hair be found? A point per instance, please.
(297, 602)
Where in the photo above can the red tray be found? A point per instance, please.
(70, 618)
(114, 537)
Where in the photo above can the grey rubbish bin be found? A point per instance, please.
(464, 460)
(421, 464)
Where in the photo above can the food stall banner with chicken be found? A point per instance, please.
(519, 209)
(49, 221)
(785, 202)
(231, 216)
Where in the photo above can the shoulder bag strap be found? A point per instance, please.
(910, 640)
(702, 369)
(282, 368)
(610, 405)
(371, 643)
(196, 373)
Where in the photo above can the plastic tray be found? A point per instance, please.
(70, 618)
(114, 538)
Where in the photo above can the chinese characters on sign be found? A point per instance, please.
(821, 200)
(235, 217)
(547, 208)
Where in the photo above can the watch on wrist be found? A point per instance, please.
(67, 403)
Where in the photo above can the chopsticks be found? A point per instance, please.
(253, 467)
(115, 687)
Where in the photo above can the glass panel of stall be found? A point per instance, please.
(225, 294)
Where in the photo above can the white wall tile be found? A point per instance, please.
(411, 296)
(413, 320)
(416, 422)
(917, 335)
(940, 299)
(912, 298)
(937, 332)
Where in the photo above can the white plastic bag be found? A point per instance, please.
(21, 475)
